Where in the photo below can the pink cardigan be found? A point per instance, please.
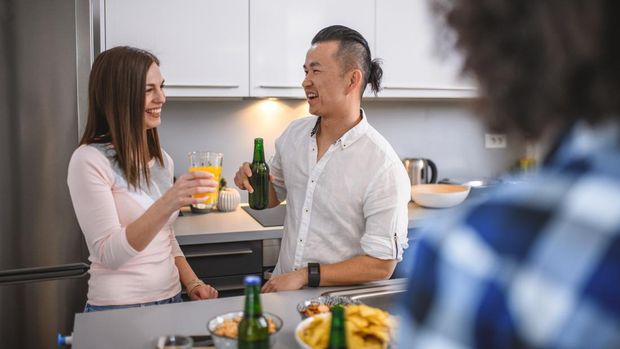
(104, 206)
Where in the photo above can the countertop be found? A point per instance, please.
(139, 327)
(233, 226)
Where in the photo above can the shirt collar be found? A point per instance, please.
(355, 133)
(583, 141)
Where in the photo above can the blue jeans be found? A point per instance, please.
(90, 308)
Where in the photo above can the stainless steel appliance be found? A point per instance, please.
(43, 268)
(421, 170)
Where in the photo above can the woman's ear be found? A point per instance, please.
(354, 78)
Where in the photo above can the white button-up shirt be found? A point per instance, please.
(352, 202)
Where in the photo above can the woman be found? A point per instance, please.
(120, 182)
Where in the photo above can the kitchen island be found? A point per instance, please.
(140, 327)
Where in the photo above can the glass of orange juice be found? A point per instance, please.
(206, 161)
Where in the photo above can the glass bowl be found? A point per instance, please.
(223, 342)
(322, 304)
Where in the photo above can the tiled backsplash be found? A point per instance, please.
(444, 131)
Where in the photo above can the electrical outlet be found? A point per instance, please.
(494, 140)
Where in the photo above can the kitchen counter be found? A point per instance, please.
(139, 327)
(215, 227)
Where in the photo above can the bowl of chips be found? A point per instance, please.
(365, 327)
(322, 304)
(223, 328)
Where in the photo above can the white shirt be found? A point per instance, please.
(352, 202)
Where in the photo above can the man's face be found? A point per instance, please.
(325, 83)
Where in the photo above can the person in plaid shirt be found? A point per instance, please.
(534, 264)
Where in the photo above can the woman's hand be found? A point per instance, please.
(203, 292)
(180, 194)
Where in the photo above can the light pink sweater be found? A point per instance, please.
(104, 206)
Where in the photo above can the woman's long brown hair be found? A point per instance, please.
(116, 96)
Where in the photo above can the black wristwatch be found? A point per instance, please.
(314, 274)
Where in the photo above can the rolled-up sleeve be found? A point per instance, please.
(386, 214)
(90, 180)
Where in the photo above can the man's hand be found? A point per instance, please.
(285, 282)
(242, 177)
(203, 292)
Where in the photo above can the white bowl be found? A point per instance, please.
(439, 195)
(305, 323)
(222, 342)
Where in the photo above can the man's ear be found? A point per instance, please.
(354, 79)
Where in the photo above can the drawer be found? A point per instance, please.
(225, 259)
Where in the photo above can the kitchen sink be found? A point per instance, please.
(379, 296)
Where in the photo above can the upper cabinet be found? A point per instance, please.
(257, 48)
(202, 45)
(410, 44)
(280, 35)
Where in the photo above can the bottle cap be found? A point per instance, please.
(252, 280)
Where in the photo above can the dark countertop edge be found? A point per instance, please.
(196, 239)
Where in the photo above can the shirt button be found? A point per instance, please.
(312, 181)
(306, 210)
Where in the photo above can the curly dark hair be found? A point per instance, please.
(540, 64)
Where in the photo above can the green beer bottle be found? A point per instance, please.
(253, 328)
(259, 199)
(337, 337)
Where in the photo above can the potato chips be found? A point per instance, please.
(366, 327)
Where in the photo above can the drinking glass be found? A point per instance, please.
(206, 161)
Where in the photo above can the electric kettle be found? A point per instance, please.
(420, 170)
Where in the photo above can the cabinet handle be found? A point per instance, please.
(429, 88)
(219, 253)
(202, 85)
(283, 87)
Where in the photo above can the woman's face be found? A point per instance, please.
(154, 97)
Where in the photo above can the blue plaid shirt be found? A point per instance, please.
(534, 265)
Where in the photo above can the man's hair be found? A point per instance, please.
(353, 52)
(116, 97)
(540, 63)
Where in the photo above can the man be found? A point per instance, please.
(536, 265)
(346, 189)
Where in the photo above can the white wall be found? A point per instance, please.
(444, 131)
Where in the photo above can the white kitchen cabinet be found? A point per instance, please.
(280, 35)
(408, 42)
(202, 45)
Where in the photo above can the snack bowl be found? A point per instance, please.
(439, 195)
(225, 342)
(365, 327)
(305, 324)
(322, 304)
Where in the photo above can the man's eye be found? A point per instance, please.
(149, 89)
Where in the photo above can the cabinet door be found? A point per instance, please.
(280, 35)
(202, 45)
(409, 43)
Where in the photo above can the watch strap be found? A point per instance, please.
(314, 274)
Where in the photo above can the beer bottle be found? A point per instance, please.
(259, 199)
(253, 328)
(337, 338)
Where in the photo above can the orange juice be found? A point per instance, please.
(210, 198)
